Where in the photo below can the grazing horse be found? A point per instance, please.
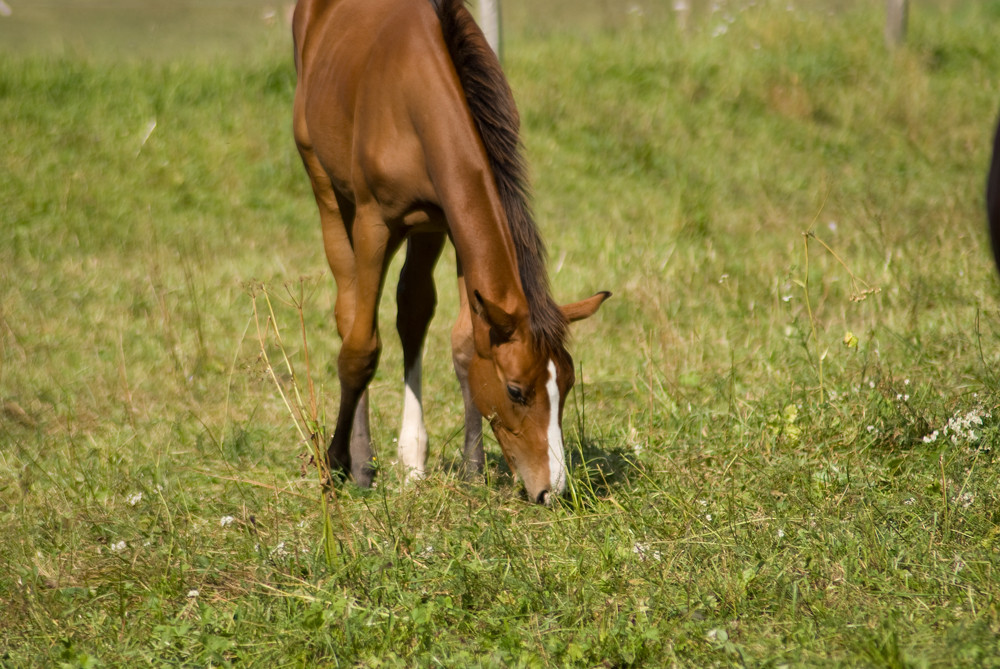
(409, 133)
(993, 198)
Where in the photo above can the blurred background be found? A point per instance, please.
(152, 29)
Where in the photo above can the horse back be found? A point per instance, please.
(376, 92)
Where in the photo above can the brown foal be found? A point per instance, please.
(409, 132)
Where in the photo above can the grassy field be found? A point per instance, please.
(784, 434)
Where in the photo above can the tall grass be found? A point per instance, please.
(782, 441)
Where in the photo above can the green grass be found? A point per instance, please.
(750, 490)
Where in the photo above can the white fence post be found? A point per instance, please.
(489, 21)
(896, 15)
(683, 10)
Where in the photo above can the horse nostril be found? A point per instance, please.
(543, 498)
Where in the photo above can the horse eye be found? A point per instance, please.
(516, 395)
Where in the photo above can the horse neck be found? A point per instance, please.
(480, 231)
(467, 193)
(484, 245)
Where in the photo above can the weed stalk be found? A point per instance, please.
(306, 420)
(860, 291)
(812, 319)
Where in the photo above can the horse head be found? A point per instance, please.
(520, 385)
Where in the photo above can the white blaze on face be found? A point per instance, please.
(557, 460)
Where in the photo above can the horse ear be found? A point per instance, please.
(584, 308)
(500, 322)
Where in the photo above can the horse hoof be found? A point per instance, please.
(472, 473)
(365, 475)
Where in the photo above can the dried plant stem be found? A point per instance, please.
(812, 319)
(306, 421)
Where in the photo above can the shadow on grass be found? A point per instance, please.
(595, 469)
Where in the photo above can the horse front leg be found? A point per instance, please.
(350, 449)
(336, 216)
(416, 299)
(358, 271)
(361, 465)
(463, 348)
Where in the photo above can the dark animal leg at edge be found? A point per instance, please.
(993, 198)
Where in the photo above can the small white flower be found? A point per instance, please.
(965, 500)
(781, 533)
(117, 547)
(642, 550)
(226, 521)
(958, 564)
(708, 517)
(961, 428)
(192, 593)
(909, 501)
(134, 499)
(635, 441)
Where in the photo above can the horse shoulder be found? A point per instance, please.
(414, 138)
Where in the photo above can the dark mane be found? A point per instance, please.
(492, 105)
